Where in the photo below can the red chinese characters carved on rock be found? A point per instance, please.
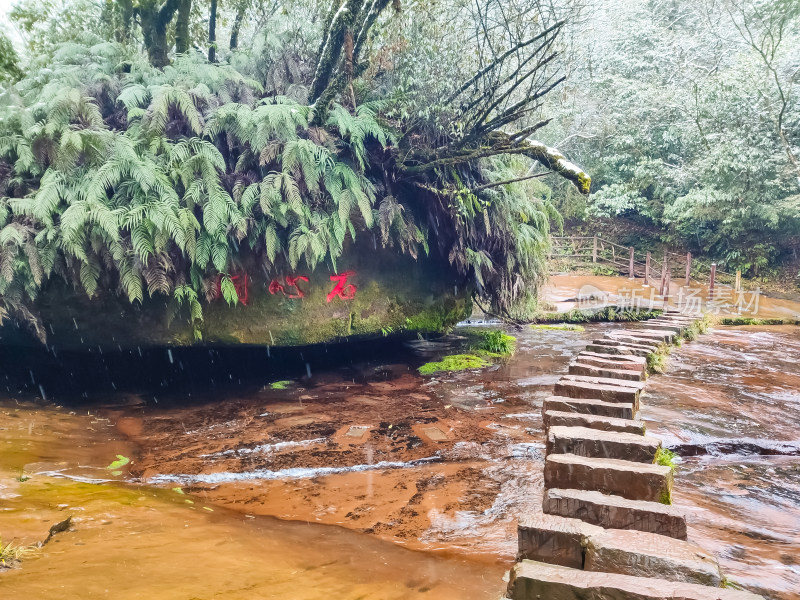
(275, 286)
(342, 289)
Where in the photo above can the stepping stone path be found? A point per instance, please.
(607, 527)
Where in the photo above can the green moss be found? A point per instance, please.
(665, 458)
(454, 362)
(609, 313)
(752, 321)
(559, 327)
(394, 294)
(585, 183)
(666, 497)
(280, 385)
(440, 317)
(120, 462)
(730, 584)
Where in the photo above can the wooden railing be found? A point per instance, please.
(658, 271)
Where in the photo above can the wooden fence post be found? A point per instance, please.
(663, 274)
(738, 285)
(688, 268)
(667, 282)
(632, 275)
(647, 269)
(711, 282)
(594, 250)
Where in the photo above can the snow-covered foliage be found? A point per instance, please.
(687, 114)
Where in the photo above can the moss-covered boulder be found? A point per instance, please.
(370, 292)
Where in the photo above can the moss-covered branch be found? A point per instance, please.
(504, 144)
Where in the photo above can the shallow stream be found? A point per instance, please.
(365, 480)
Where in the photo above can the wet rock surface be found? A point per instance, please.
(732, 399)
(536, 581)
(650, 555)
(615, 512)
(595, 443)
(554, 418)
(619, 410)
(554, 540)
(594, 370)
(634, 481)
(596, 390)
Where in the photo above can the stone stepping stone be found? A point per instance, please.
(595, 443)
(681, 320)
(648, 555)
(644, 335)
(556, 418)
(531, 580)
(631, 480)
(581, 368)
(554, 540)
(615, 512)
(632, 363)
(655, 333)
(686, 322)
(619, 349)
(652, 346)
(672, 322)
(615, 392)
(618, 410)
(624, 339)
(637, 385)
(677, 329)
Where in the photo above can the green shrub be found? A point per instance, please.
(498, 342)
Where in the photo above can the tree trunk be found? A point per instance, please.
(118, 18)
(348, 66)
(241, 10)
(154, 22)
(212, 33)
(155, 39)
(182, 27)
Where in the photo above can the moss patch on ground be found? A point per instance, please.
(454, 362)
(558, 327)
(280, 385)
(609, 313)
(752, 321)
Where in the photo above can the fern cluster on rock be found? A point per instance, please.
(120, 176)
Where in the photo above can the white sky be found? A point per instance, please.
(5, 23)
